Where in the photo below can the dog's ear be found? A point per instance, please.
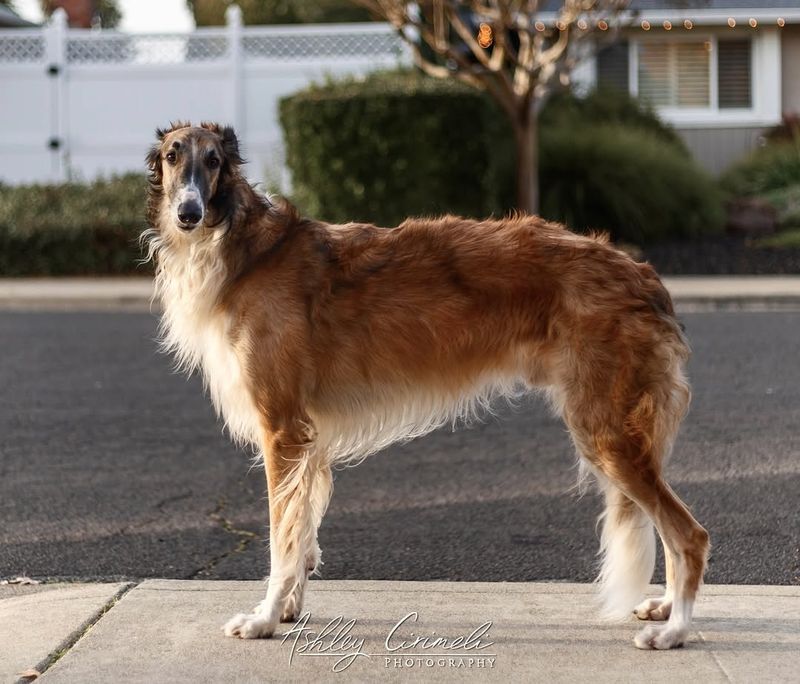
(230, 143)
(153, 160)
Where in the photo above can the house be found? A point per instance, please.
(720, 71)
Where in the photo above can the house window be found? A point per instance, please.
(733, 59)
(681, 74)
(612, 67)
(675, 74)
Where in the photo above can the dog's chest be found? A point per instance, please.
(227, 384)
(200, 338)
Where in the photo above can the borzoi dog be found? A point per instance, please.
(321, 344)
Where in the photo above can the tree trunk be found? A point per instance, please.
(527, 137)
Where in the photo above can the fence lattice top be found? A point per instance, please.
(204, 45)
(16, 49)
(315, 45)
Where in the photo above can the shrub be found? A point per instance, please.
(394, 145)
(72, 229)
(786, 201)
(773, 167)
(606, 106)
(628, 182)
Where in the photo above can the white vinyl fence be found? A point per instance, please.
(77, 104)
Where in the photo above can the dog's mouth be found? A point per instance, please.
(186, 227)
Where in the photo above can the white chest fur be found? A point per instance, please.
(198, 334)
(225, 379)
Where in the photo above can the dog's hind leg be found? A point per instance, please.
(297, 487)
(659, 608)
(625, 434)
(628, 550)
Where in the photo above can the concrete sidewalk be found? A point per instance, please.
(169, 630)
(691, 293)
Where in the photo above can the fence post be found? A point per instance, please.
(55, 36)
(233, 18)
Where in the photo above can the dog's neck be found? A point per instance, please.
(193, 271)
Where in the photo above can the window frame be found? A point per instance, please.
(765, 78)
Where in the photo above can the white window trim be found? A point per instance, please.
(765, 73)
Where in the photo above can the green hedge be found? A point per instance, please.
(607, 106)
(72, 229)
(389, 147)
(626, 181)
(400, 144)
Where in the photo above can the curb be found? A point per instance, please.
(73, 294)
(690, 293)
(734, 293)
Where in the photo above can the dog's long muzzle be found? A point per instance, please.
(190, 207)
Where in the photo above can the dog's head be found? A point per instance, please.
(193, 170)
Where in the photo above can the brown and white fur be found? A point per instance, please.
(321, 344)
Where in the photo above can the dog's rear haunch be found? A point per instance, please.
(321, 344)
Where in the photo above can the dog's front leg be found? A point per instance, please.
(318, 484)
(292, 467)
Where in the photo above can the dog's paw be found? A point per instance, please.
(660, 637)
(653, 609)
(252, 626)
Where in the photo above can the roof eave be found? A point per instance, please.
(707, 17)
(701, 17)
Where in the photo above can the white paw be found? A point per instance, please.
(660, 637)
(653, 609)
(252, 626)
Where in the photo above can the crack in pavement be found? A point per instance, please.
(67, 645)
(245, 538)
(161, 505)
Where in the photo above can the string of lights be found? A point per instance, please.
(667, 25)
(644, 24)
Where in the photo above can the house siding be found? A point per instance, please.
(716, 149)
(790, 81)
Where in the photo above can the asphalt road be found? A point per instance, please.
(111, 466)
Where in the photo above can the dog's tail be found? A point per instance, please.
(628, 549)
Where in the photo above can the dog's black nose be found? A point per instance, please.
(189, 214)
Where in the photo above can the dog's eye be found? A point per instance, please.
(213, 163)
(171, 157)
